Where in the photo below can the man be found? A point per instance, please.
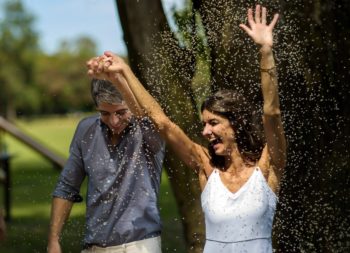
(121, 154)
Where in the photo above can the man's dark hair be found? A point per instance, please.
(104, 91)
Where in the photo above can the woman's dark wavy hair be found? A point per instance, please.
(245, 120)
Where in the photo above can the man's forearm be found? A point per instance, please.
(60, 210)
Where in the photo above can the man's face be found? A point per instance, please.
(115, 116)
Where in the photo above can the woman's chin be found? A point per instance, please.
(219, 152)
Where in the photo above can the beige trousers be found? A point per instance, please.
(151, 245)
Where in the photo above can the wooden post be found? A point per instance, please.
(5, 165)
(11, 129)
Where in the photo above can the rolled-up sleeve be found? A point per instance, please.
(73, 173)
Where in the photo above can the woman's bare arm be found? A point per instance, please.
(115, 69)
(261, 33)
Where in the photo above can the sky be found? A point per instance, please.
(58, 20)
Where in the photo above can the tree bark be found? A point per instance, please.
(315, 196)
(166, 70)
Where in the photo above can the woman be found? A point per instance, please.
(239, 178)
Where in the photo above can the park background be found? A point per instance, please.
(182, 51)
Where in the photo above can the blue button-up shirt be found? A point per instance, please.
(123, 181)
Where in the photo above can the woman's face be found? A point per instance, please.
(219, 132)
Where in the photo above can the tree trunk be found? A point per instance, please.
(315, 197)
(167, 70)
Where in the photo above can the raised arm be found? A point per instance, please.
(114, 69)
(261, 33)
(95, 66)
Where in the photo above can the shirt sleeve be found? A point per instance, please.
(73, 173)
(153, 140)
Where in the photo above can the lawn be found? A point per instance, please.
(33, 179)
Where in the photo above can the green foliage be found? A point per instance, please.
(190, 33)
(33, 82)
(61, 77)
(190, 30)
(62, 80)
(18, 47)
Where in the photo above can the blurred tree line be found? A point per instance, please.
(33, 82)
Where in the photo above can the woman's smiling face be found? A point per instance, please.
(219, 132)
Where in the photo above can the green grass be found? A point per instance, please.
(33, 179)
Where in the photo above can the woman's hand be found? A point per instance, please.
(95, 67)
(258, 30)
(108, 66)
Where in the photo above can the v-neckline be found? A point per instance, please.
(236, 193)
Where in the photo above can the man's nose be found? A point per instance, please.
(114, 119)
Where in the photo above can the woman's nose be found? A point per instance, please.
(206, 131)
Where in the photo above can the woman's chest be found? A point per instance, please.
(251, 199)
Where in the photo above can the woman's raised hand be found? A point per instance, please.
(258, 30)
(108, 66)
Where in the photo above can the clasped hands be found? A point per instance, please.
(108, 66)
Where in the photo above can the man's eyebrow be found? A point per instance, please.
(120, 110)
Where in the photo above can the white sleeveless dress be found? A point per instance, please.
(240, 221)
